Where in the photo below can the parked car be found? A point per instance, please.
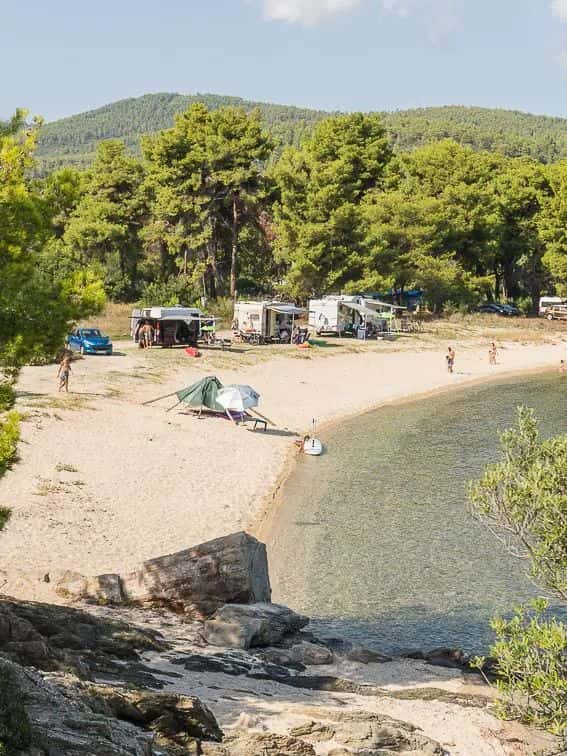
(492, 308)
(511, 310)
(89, 341)
(495, 308)
(556, 312)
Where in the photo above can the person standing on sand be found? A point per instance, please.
(562, 366)
(492, 354)
(64, 371)
(450, 357)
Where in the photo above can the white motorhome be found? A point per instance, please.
(265, 320)
(546, 303)
(346, 315)
(173, 326)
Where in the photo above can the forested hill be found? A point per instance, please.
(73, 140)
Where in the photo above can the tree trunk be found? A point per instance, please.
(215, 277)
(234, 248)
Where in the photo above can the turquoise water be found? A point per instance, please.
(374, 539)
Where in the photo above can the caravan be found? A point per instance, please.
(356, 315)
(260, 322)
(172, 326)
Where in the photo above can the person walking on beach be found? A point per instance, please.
(148, 335)
(64, 371)
(492, 354)
(562, 366)
(450, 357)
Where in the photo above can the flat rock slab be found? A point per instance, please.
(246, 626)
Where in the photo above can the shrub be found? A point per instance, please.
(15, 729)
(523, 500)
(531, 653)
(7, 396)
(9, 437)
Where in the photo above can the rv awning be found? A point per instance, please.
(366, 311)
(287, 309)
(379, 303)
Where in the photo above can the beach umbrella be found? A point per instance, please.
(237, 398)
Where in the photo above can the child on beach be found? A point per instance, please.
(492, 353)
(63, 372)
(450, 357)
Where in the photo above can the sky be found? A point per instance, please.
(58, 58)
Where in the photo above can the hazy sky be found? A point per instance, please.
(58, 58)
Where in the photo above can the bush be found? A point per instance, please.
(531, 653)
(15, 729)
(7, 396)
(9, 437)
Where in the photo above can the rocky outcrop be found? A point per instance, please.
(361, 732)
(260, 744)
(245, 626)
(60, 723)
(196, 581)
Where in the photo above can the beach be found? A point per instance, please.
(104, 482)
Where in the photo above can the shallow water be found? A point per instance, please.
(374, 539)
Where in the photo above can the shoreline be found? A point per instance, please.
(263, 522)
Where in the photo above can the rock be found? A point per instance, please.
(260, 624)
(105, 589)
(368, 734)
(60, 638)
(61, 724)
(260, 744)
(452, 658)
(352, 652)
(231, 634)
(311, 654)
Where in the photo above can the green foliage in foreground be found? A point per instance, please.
(9, 437)
(531, 653)
(36, 304)
(15, 729)
(523, 500)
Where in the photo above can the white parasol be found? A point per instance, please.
(237, 398)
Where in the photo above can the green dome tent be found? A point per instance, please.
(202, 394)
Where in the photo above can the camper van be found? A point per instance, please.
(346, 315)
(173, 326)
(259, 322)
(547, 303)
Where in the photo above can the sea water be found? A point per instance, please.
(375, 540)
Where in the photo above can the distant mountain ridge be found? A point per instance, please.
(73, 140)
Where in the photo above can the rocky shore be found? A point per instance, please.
(199, 661)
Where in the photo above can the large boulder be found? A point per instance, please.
(196, 581)
(55, 721)
(245, 626)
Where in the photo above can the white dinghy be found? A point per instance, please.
(311, 445)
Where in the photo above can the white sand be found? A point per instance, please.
(143, 482)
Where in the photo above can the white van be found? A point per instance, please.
(546, 303)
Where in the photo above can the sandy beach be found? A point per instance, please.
(104, 482)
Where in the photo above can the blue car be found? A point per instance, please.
(89, 341)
